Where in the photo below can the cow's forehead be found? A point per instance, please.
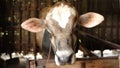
(61, 14)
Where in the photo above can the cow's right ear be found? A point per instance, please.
(90, 19)
(33, 25)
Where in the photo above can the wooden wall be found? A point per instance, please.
(16, 11)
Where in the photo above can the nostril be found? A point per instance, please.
(62, 61)
(59, 59)
(70, 58)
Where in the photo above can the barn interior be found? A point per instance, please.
(103, 39)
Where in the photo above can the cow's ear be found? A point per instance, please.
(90, 19)
(33, 25)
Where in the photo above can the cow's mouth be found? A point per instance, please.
(65, 60)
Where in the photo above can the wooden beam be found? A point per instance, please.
(105, 42)
(108, 62)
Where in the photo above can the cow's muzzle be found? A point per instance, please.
(62, 60)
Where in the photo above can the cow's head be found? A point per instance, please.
(60, 21)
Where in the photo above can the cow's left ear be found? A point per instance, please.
(33, 25)
(90, 19)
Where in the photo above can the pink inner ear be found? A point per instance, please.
(91, 19)
(33, 25)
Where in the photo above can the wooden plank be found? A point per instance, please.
(25, 15)
(1, 43)
(119, 61)
(17, 39)
(32, 38)
(118, 28)
(108, 62)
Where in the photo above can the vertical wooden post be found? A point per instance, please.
(119, 60)
(83, 65)
(32, 11)
(24, 33)
(32, 64)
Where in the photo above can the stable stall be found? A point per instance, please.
(104, 36)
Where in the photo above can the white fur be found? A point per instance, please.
(56, 61)
(61, 14)
(73, 59)
(63, 52)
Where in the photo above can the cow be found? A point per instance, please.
(60, 20)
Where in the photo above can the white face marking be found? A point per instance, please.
(61, 14)
(63, 52)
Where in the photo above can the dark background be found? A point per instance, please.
(14, 12)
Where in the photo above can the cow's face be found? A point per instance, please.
(62, 44)
(60, 21)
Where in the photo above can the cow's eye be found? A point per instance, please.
(59, 43)
(68, 41)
